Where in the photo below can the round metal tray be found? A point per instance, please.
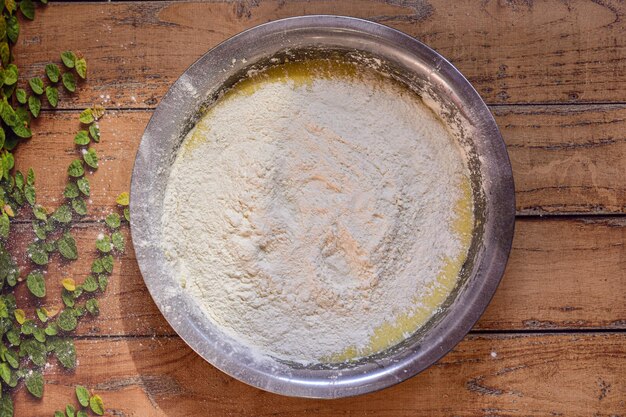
(399, 56)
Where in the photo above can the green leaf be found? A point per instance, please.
(5, 372)
(53, 72)
(13, 28)
(83, 395)
(81, 413)
(117, 238)
(59, 414)
(34, 380)
(39, 230)
(2, 137)
(127, 214)
(40, 212)
(97, 267)
(6, 406)
(5, 225)
(50, 246)
(103, 281)
(69, 82)
(30, 177)
(28, 326)
(20, 94)
(28, 9)
(8, 114)
(66, 352)
(12, 358)
(123, 199)
(13, 337)
(39, 334)
(67, 247)
(51, 329)
(4, 310)
(67, 320)
(63, 214)
(96, 405)
(94, 131)
(36, 283)
(29, 193)
(52, 94)
(83, 186)
(41, 315)
(107, 263)
(70, 410)
(113, 220)
(104, 244)
(21, 130)
(68, 58)
(86, 116)
(81, 67)
(35, 350)
(90, 284)
(19, 179)
(71, 190)
(10, 5)
(36, 85)
(5, 54)
(68, 298)
(3, 27)
(92, 306)
(10, 75)
(79, 206)
(76, 169)
(82, 138)
(34, 105)
(91, 158)
(37, 254)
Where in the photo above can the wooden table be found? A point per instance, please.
(553, 341)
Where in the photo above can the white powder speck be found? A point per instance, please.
(494, 355)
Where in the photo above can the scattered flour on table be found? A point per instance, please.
(302, 216)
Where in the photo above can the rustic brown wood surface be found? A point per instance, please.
(552, 342)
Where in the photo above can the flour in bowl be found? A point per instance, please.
(318, 212)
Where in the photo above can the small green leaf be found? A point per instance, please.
(34, 105)
(94, 131)
(69, 81)
(68, 58)
(67, 247)
(107, 263)
(117, 238)
(6, 406)
(81, 67)
(63, 214)
(96, 405)
(70, 410)
(59, 414)
(71, 190)
(36, 283)
(53, 72)
(29, 193)
(37, 254)
(20, 94)
(52, 94)
(10, 5)
(36, 85)
(39, 334)
(92, 306)
(76, 169)
(3, 27)
(83, 395)
(21, 129)
(86, 116)
(91, 158)
(90, 284)
(66, 352)
(122, 199)
(13, 28)
(67, 320)
(104, 244)
(113, 220)
(97, 267)
(82, 138)
(127, 214)
(30, 177)
(34, 380)
(103, 281)
(83, 185)
(5, 54)
(41, 315)
(28, 9)
(5, 225)
(10, 75)
(40, 212)
(81, 413)
(12, 358)
(5, 372)
(51, 329)
(79, 206)
(28, 327)
(68, 298)
(8, 114)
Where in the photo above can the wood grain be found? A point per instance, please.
(511, 51)
(566, 159)
(512, 375)
(562, 274)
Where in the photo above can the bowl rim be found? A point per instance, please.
(451, 329)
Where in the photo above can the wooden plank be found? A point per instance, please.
(562, 274)
(566, 159)
(512, 375)
(513, 52)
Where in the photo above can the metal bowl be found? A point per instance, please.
(399, 56)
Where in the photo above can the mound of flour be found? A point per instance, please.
(302, 216)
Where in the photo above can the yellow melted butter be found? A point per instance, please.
(302, 74)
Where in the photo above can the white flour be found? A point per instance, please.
(304, 216)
